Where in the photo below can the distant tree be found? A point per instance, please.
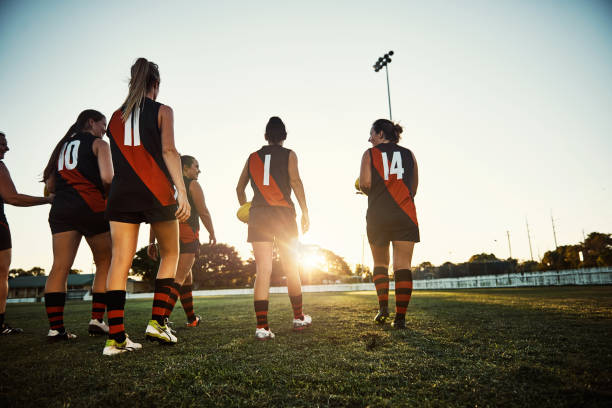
(144, 266)
(35, 271)
(483, 258)
(75, 271)
(364, 272)
(219, 266)
(527, 266)
(563, 257)
(336, 265)
(597, 250)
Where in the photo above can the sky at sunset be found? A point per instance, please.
(505, 104)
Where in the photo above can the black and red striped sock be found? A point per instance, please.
(296, 304)
(187, 302)
(161, 299)
(173, 297)
(381, 281)
(98, 306)
(115, 306)
(54, 303)
(403, 291)
(261, 311)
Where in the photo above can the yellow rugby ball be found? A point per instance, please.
(357, 184)
(243, 212)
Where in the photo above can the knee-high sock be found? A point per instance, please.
(115, 306)
(98, 306)
(381, 281)
(187, 302)
(403, 290)
(261, 311)
(296, 304)
(172, 298)
(161, 300)
(54, 303)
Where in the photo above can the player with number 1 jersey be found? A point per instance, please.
(389, 177)
(273, 173)
(78, 173)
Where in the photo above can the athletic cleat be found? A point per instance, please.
(301, 324)
(113, 347)
(161, 334)
(169, 325)
(97, 327)
(263, 334)
(381, 317)
(55, 335)
(195, 322)
(399, 323)
(5, 329)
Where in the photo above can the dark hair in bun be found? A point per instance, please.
(391, 131)
(275, 130)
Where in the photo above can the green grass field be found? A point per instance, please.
(545, 347)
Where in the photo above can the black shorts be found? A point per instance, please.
(267, 224)
(87, 224)
(381, 236)
(192, 247)
(149, 216)
(5, 236)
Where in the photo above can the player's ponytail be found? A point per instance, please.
(144, 76)
(78, 126)
(391, 131)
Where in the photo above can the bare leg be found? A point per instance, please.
(65, 246)
(288, 259)
(263, 263)
(101, 248)
(380, 254)
(183, 270)
(402, 254)
(124, 240)
(167, 233)
(5, 263)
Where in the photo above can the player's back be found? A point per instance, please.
(390, 200)
(269, 174)
(141, 179)
(78, 186)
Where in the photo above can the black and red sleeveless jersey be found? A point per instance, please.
(2, 215)
(78, 185)
(192, 225)
(141, 180)
(269, 173)
(390, 201)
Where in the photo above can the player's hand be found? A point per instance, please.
(152, 252)
(305, 223)
(184, 209)
(212, 240)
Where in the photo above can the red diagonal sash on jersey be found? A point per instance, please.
(398, 190)
(143, 164)
(271, 193)
(86, 189)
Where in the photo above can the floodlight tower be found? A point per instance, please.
(384, 61)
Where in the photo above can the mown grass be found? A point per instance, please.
(545, 347)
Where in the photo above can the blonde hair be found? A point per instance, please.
(145, 75)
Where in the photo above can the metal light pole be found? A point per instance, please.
(380, 63)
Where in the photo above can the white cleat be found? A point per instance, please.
(97, 327)
(55, 335)
(301, 324)
(112, 347)
(263, 334)
(161, 334)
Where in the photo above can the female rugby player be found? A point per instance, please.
(189, 240)
(79, 172)
(147, 187)
(9, 195)
(389, 176)
(273, 172)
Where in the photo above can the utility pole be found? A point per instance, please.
(380, 63)
(553, 227)
(509, 247)
(529, 238)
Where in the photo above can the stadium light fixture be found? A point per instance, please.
(384, 61)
